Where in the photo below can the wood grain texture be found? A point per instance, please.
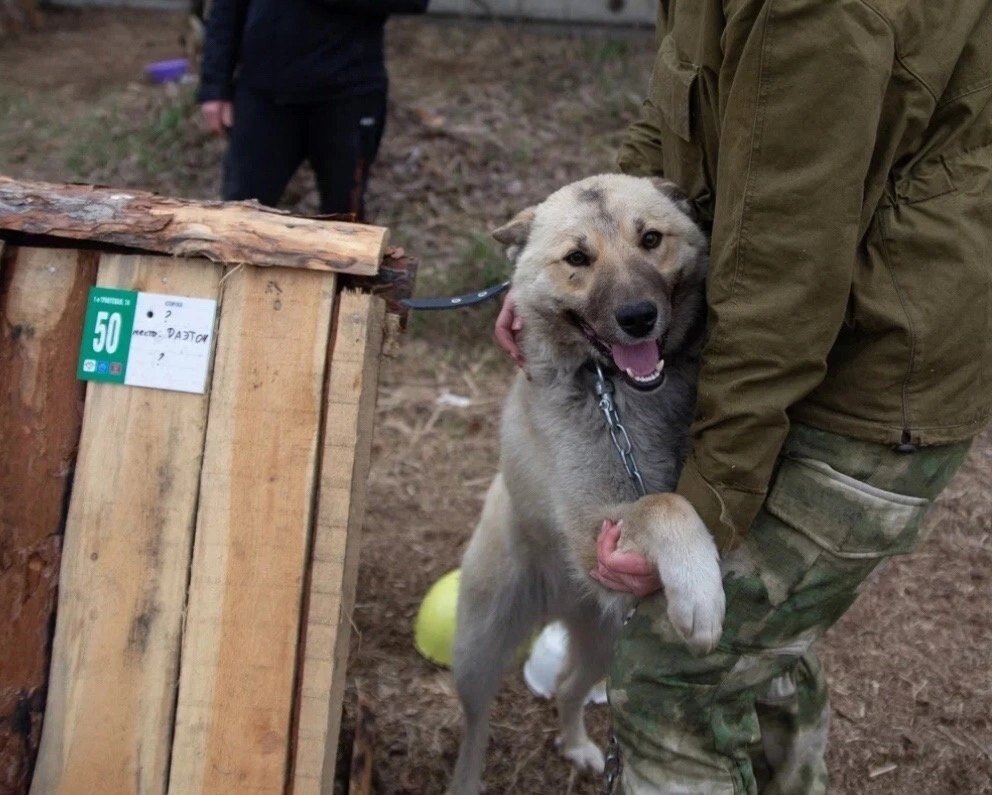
(253, 529)
(231, 232)
(42, 303)
(124, 570)
(351, 393)
(395, 281)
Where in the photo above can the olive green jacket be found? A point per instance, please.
(842, 152)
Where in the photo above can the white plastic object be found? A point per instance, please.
(547, 656)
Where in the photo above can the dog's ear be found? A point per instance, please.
(517, 230)
(678, 196)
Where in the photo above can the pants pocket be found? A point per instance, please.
(819, 535)
(845, 517)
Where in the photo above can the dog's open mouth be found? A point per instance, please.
(640, 364)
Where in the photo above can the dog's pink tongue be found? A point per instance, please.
(640, 359)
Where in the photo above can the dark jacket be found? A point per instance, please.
(843, 152)
(297, 50)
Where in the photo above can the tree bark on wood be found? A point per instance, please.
(42, 303)
(395, 281)
(225, 232)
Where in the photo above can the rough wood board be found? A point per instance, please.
(253, 529)
(42, 303)
(124, 570)
(231, 232)
(345, 458)
(394, 282)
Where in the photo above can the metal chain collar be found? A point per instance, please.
(605, 390)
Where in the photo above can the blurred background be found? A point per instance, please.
(492, 106)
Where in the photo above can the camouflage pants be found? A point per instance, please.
(752, 716)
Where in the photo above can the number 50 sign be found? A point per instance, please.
(147, 339)
(107, 335)
(108, 332)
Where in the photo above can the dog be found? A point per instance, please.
(609, 271)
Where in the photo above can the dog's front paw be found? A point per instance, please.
(688, 566)
(585, 755)
(696, 604)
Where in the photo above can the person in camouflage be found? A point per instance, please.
(753, 715)
(840, 155)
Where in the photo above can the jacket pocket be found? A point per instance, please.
(841, 515)
(936, 256)
(671, 89)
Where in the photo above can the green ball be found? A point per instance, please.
(434, 627)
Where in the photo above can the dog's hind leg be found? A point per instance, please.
(499, 602)
(590, 647)
(481, 658)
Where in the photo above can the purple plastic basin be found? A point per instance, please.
(167, 71)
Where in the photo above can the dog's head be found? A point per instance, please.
(609, 268)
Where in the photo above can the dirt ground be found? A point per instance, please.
(484, 119)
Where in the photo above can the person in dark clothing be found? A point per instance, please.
(295, 80)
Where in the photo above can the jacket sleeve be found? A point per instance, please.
(221, 43)
(381, 7)
(641, 151)
(798, 136)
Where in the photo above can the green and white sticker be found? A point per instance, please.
(147, 340)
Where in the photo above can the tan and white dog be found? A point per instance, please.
(609, 270)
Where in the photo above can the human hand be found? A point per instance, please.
(218, 115)
(628, 572)
(508, 325)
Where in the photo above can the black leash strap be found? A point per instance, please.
(456, 301)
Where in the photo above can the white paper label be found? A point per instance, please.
(171, 342)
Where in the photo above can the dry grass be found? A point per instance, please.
(484, 120)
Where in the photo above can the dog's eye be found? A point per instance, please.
(577, 258)
(651, 239)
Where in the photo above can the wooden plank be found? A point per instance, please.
(42, 303)
(253, 529)
(394, 282)
(124, 570)
(231, 232)
(344, 471)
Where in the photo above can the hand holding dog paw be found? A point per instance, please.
(628, 572)
(681, 558)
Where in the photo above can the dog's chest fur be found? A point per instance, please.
(581, 450)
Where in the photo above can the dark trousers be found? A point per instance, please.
(270, 139)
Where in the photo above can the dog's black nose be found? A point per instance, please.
(637, 319)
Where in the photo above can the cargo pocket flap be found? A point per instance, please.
(841, 514)
(671, 89)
